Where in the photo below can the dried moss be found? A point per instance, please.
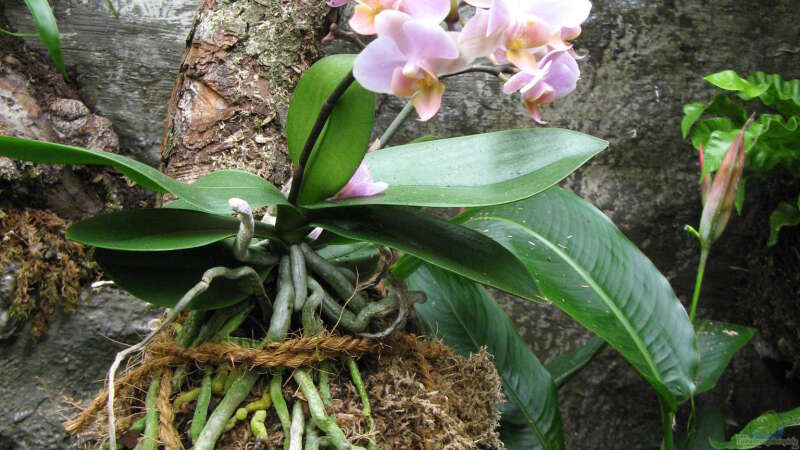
(48, 270)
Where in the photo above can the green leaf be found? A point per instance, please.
(720, 106)
(709, 425)
(760, 430)
(785, 215)
(464, 315)
(586, 267)
(771, 142)
(782, 95)
(211, 195)
(48, 30)
(717, 343)
(217, 187)
(432, 239)
(162, 278)
(731, 81)
(478, 170)
(344, 141)
(160, 229)
(565, 366)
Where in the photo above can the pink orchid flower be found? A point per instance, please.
(336, 3)
(406, 59)
(363, 20)
(361, 184)
(510, 28)
(556, 76)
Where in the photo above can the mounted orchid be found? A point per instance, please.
(351, 247)
(418, 42)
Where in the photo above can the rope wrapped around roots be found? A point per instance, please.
(292, 353)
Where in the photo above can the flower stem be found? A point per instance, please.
(395, 125)
(666, 425)
(701, 268)
(322, 118)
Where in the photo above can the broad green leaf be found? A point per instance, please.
(731, 81)
(219, 186)
(785, 215)
(771, 142)
(464, 315)
(565, 366)
(720, 106)
(691, 113)
(769, 425)
(709, 425)
(585, 266)
(344, 141)
(782, 95)
(432, 239)
(160, 229)
(478, 170)
(48, 31)
(162, 278)
(211, 196)
(717, 343)
(776, 144)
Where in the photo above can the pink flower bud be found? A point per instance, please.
(705, 185)
(361, 184)
(722, 195)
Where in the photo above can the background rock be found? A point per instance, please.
(645, 60)
(71, 360)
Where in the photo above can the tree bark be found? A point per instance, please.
(230, 100)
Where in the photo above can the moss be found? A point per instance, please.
(48, 270)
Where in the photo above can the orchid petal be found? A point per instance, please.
(501, 16)
(517, 82)
(536, 115)
(363, 20)
(389, 23)
(474, 41)
(402, 86)
(433, 11)
(561, 13)
(428, 41)
(563, 74)
(337, 3)
(428, 101)
(374, 67)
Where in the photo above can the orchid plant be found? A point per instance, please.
(351, 215)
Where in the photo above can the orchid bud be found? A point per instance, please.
(361, 184)
(705, 185)
(722, 195)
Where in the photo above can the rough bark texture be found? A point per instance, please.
(645, 60)
(232, 93)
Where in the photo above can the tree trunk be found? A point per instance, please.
(229, 104)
